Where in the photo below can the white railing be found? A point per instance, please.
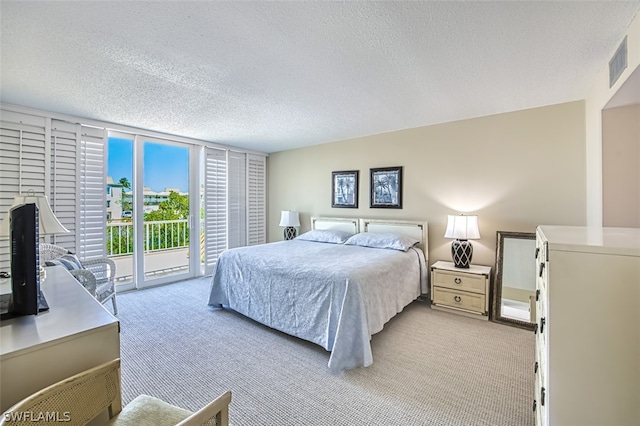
(158, 235)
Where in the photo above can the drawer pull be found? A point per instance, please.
(537, 251)
(535, 367)
(535, 329)
(534, 405)
(537, 295)
(457, 281)
(543, 391)
(458, 299)
(541, 269)
(542, 323)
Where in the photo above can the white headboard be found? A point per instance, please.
(338, 223)
(415, 229)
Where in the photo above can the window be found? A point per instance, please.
(66, 161)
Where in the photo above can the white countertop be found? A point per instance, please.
(621, 241)
(72, 310)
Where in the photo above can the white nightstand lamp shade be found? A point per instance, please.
(289, 219)
(462, 228)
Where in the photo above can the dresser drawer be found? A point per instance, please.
(542, 266)
(459, 281)
(541, 324)
(539, 397)
(459, 299)
(541, 362)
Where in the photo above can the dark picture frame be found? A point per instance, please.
(344, 189)
(385, 187)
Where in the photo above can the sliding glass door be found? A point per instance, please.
(120, 208)
(150, 225)
(164, 199)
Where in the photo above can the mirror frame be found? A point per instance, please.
(497, 281)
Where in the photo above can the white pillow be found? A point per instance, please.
(382, 240)
(325, 236)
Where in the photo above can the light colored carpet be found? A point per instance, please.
(429, 368)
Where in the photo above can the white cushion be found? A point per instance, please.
(146, 410)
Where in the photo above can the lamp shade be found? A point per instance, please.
(49, 223)
(289, 218)
(462, 227)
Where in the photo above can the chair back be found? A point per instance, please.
(51, 252)
(73, 401)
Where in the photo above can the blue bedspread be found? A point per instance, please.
(334, 295)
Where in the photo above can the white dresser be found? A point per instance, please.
(588, 326)
(75, 334)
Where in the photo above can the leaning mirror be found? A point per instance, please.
(514, 284)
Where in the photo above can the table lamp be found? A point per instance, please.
(462, 228)
(289, 219)
(49, 223)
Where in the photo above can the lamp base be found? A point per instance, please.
(461, 253)
(289, 233)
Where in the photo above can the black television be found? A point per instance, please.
(26, 298)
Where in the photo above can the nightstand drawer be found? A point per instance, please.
(459, 281)
(459, 299)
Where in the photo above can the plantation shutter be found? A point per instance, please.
(64, 180)
(91, 229)
(22, 164)
(237, 199)
(257, 196)
(215, 206)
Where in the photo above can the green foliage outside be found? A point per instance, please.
(119, 240)
(126, 204)
(157, 236)
(176, 207)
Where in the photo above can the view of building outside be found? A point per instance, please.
(120, 199)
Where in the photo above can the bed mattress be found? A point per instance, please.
(334, 295)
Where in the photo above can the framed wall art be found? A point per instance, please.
(344, 189)
(385, 187)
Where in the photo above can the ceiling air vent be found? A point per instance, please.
(618, 63)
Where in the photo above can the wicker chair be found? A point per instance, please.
(95, 394)
(97, 276)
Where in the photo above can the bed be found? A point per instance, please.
(328, 286)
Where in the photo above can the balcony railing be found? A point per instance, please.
(158, 235)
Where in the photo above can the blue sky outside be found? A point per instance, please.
(165, 166)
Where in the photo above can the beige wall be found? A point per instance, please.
(621, 166)
(597, 99)
(514, 170)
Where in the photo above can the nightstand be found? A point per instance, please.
(462, 291)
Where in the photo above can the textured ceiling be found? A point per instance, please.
(271, 76)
